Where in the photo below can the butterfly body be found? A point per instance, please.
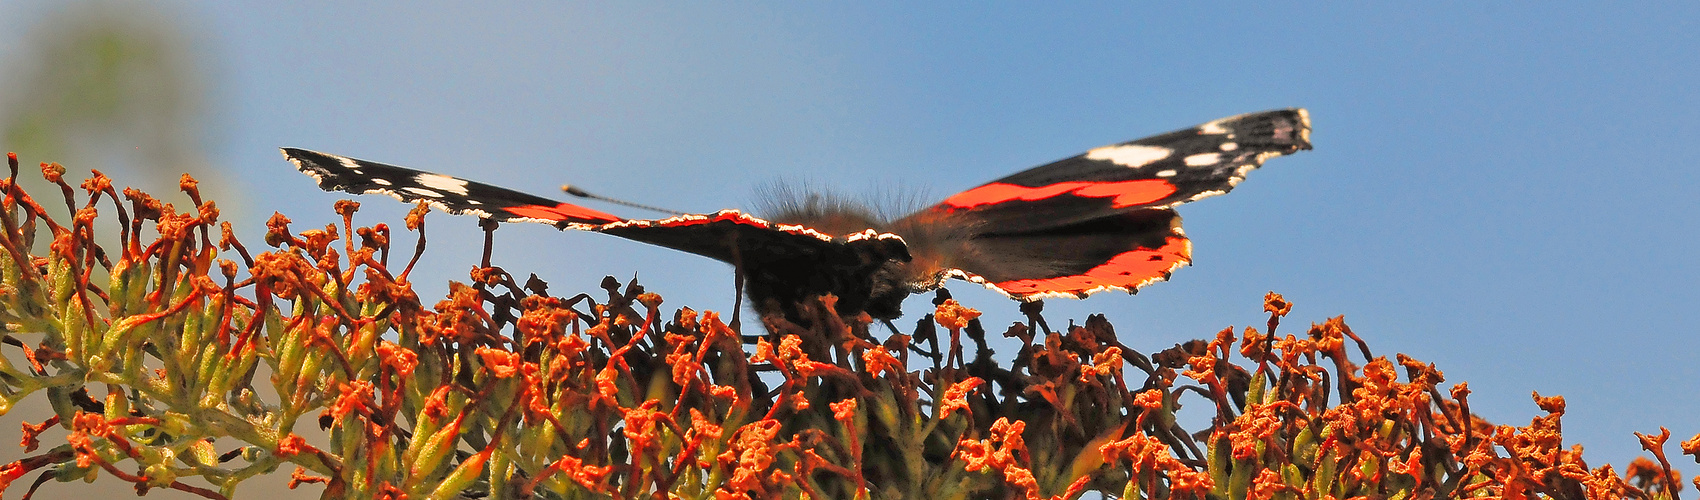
(1101, 220)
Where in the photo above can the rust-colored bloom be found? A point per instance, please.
(641, 427)
(300, 477)
(878, 361)
(436, 405)
(543, 319)
(1644, 470)
(1142, 450)
(53, 172)
(1654, 443)
(416, 217)
(1553, 405)
(501, 363)
(1267, 484)
(93, 424)
(277, 230)
(1275, 303)
(98, 182)
(1000, 447)
(1412, 466)
(352, 398)
(1151, 399)
(1604, 484)
(1692, 447)
(953, 315)
(764, 352)
(291, 445)
(588, 476)
(1107, 362)
(1185, 481)
(844, 411)
(752, 454)
(702, 427)
(346, 208)
(398, 358)
(956, 397)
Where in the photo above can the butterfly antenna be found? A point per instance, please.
(575, 191)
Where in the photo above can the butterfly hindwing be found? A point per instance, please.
(1124, 251)
(450, 194)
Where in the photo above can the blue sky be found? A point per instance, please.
(1508, 191)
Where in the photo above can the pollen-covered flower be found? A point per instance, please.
(351, 398)
(436, 405)
(53, 172)
(956, 397)
(291, 445)
(1692, 447)
(501, 363)
(1108, 362)
(953, 315)
(398, 358)
(844, 411)
(1276, 304)
(1266, 485)
(752, 454)
(877, 361)
(1553, 405)
(416, 217)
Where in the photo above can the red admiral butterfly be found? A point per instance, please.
(1098, 221)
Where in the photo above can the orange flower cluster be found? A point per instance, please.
(504, 390)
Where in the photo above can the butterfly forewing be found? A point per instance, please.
(450, 194)
(1155, 172)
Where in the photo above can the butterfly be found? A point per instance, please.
(1100, 220)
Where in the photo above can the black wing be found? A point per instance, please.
(450, 194)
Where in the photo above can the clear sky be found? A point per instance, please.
(1508, 191)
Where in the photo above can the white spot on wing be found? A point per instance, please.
(381, 182)
(1129, 155)
(442, 182)
(423, 192)
(1230, 146)
(1203, 159)
(1166, 173)
(1214, 127)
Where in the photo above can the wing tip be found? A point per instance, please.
(1303, 127)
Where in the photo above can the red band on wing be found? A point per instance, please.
(1126, 193)
(565, 212)
(1130, 269)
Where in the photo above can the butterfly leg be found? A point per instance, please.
(737, 280)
